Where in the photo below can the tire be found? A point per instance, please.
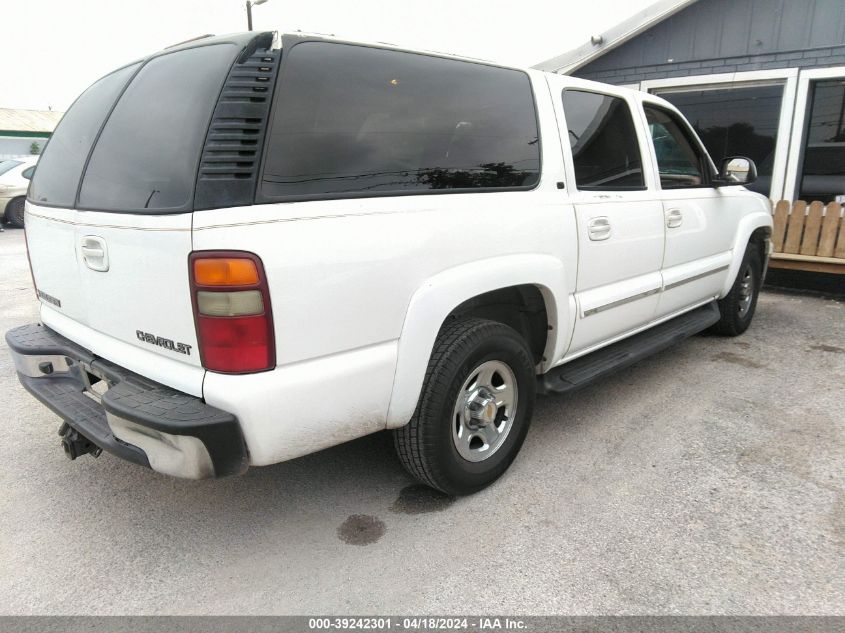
(15, 212)
(477, 368)
(737, 307)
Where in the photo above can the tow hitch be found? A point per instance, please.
(76, 445)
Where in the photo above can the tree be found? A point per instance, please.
(34, 148)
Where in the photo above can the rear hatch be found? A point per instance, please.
(125, 276)
(109, 211)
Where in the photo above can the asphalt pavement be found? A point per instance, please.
(705, 480)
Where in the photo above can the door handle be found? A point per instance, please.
(95, 253)
(674, 218)
(599, 229)
(91, 252)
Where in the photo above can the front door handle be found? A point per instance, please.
(674, 218)
(599, 229)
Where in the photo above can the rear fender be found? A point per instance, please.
(439, 295)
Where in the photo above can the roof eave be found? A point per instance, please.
(612, 38)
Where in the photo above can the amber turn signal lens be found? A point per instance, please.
(225, 272)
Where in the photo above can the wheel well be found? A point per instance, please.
(760, 237)
(520, 307)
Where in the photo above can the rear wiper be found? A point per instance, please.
(152, 193)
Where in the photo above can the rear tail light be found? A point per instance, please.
(232, 312)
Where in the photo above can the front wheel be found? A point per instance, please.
(15, 212)
(737, 307)
(474, 409)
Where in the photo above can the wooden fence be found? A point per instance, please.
(809, 237)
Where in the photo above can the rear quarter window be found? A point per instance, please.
(352, 120)
(146, 158)
(63, 159)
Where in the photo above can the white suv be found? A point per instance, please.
(246, 252)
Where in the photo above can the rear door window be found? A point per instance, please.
(603, 141)
(353, 120)
(146, 158)
(63, 159)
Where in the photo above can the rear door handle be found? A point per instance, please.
(599, 229)
(91, 252)
(674, 218)
(95, 254)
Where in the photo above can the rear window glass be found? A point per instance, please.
(603, 140)
(6, 165)
(147, 155)
(357, 120)
(63, 159)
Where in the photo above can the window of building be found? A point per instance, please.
(354, 120)
(679, 162)
(823, 166)
(603, 140)
(735, 121)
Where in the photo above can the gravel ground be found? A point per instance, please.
(705, 480)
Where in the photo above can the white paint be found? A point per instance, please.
(359, 288)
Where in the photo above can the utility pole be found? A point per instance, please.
(249, 5)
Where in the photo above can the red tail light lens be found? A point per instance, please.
(234, 327)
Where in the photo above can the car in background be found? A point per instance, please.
(15, 175)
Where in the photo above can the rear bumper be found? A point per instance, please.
(135, 418)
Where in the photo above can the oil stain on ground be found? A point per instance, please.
(419, 499)
(828, 348)
(736, 359)
(361, 529)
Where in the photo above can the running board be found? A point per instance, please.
(582, 371)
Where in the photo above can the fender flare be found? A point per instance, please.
(440, 294)
(747, 226)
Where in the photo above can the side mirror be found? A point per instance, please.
(736, 170)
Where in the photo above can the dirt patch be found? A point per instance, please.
(736, 359)
(419, 499)
(361, 529)
(827, 348)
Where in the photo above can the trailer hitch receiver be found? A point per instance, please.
(76, 445)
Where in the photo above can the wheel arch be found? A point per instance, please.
(755, 227)
(488, 288)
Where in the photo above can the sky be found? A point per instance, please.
(53, 49)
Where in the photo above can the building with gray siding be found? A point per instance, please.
(761, 78)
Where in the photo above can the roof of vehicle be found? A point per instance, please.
(23, 160)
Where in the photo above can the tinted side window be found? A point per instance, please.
(679, 161)
(27, 173)
(356, 120)
(63, 160)
(603, 140)
(147, 156)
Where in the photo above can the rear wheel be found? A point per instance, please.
(474, 409)
(15, 212)
(737, 307)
